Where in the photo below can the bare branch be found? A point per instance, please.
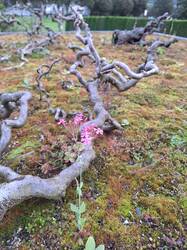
(8, 174)
(20, 99)
(137, 35)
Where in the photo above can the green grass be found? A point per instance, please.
(28, 22)
(174, 27)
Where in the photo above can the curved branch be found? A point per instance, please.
(25, 187)
(145, 70)
(8, 124)
(8, 174)
(137, 35)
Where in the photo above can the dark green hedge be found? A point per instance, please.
(28, 22)
(110, 22)
(175, 27)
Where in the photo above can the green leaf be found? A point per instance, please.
(90, 244)
(71, 160)
(81, 222)
(26, 84)
(82, 208)
(78, 147)
(79, 191)
(100, 247)
(81, 184)
(124, 123)
(176, 141)
(74, 208)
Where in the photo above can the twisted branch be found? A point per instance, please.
(9, 102)
(32, 45)
(137, 35)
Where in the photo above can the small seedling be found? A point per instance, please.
(125, 123)
(90, 245)
(26, 84)
(178, 140)
(80, 207)
(160, 51)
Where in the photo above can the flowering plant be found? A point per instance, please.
(88, 133)
(72, 126)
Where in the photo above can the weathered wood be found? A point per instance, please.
(137, 35)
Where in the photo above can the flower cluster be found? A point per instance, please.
(62, 122)
(79, 119)
(88, 133)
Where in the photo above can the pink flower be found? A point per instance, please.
(89, 133)
(98, 131)
(86, 137)
(86, 140)
(78, 119)
(62, 122)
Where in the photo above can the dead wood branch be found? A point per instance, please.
(8, 103)
(137, 35)
(33, 45)
(44, 70)
(36, 45)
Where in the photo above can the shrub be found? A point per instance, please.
(174, 27)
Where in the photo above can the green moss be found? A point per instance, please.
(102, 202)
(145, 98)
(169, 76)
(136, 168)
(123, 235)
(40, 54)
(167, 61)
(24, 148)
(161, 206)
(39, 219)
(28, 216)
(183, 203)
(125, 207)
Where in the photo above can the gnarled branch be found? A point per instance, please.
(137, 35)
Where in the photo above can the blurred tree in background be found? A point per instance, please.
(161, 6)
(139, 7)
(118, 7)
(181, 9)
(97, 7)
(102, 7)
(122, 7)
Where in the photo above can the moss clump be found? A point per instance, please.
(40, 54)
(125, 207)
(183, 203)
(28, 217)
(39, 219)
(23, 149)
(145, 98)
(121, 234)
(167, 62)
(169, 76)
(163, 207)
